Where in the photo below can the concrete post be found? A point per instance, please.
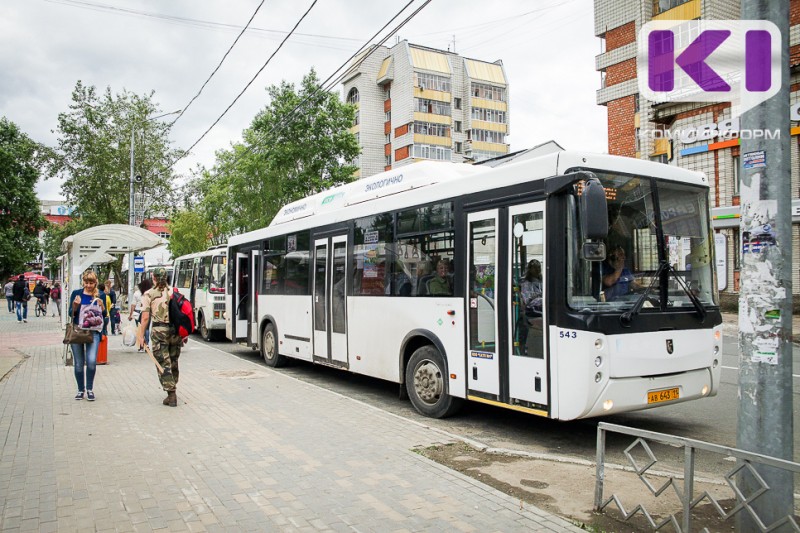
(765, 299)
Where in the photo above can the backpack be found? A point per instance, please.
(181, 314)
(55, 293)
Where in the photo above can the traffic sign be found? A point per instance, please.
(138, 264)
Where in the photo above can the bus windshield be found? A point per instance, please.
(638, 207)
(217, 278)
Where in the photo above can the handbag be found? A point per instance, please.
(76, 335)
(91, 316)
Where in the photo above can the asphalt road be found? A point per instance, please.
(711, 419)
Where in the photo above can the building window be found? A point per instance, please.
(457, 103)
(488, 92)
(388, 160)
(457, 126)
(459, 147)
(388, 137)
(489, 115)
(388, 116)
(427, 151)
(735, 175)
(428, 128)
(423, 105)
(352, 96)
(660, 158)
(635, 103)
(487, 136)
(432, 82)
(659, 6)
(163, 234)
(636, 141)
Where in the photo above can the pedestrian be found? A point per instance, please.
(165, 341)
(55, 296)
(85, 353)
(9, 290)
(21, 294)
(113, 314)
(136, 307)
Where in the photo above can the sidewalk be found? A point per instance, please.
(247, 449)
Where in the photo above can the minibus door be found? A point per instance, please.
(252, 327)
(330, 300)
(483, 356)
(241, 299)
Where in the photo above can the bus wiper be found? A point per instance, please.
(698, 305)
(625, 318)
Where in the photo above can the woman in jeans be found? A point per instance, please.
(85, 353)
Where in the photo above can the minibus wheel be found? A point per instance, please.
(426, 383)
(269, 347)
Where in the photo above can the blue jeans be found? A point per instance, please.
(86, 354)
(22, 311)
(10, 301)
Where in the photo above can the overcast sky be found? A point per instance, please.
(170, 47)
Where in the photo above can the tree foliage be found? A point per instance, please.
(190, 233)
(20, 218)
(93, 153)
(299, 144)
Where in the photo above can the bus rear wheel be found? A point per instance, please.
(426, 383)
(269, 348)
(203, 328)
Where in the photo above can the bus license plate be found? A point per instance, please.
(663, 395)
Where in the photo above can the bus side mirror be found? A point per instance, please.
(594, 211)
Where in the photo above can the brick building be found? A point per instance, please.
(632, 119)
(418, 103)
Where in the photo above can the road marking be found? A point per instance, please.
(737, 368)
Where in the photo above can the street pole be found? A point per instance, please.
(765, 297)
(131, 221)
(131, 213)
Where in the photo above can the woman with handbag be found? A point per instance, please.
(81, 300)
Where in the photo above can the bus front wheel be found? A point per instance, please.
(426, 383)
(269, 348)
(204, 331)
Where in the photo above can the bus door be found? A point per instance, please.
(252, 317)
(483, 356)
(329, 294)
(527, 365)
(241, 298)
(193, 288)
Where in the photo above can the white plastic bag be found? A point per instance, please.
(129, 335)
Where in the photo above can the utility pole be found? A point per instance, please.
(765, 297)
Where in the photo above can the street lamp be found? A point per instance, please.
(131, 217)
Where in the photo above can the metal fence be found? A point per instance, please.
(685, 493)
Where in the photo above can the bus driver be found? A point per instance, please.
(617, 279)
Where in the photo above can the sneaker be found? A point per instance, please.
(79, 396)
(90, 395)
(25, 320)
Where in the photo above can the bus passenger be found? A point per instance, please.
(617, 279)
(440, 284)
(531, 303)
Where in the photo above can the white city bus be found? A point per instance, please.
(200, 277)
(348, 278)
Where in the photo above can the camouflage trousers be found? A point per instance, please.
(166, 347)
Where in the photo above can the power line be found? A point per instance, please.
(183, 20)
(292, 116)
(220, 63)
(248, 83)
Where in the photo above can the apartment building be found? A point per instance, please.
(637, 127)
(417, 103)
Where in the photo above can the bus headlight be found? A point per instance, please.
(598, 361)
(598, 344)
(608, 405)
(705, 390)
(598, 377)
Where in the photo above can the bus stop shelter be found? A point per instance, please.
(96, 246)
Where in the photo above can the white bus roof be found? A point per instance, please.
(214, 250)
(429, 181)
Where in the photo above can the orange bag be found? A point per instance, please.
(102, 351)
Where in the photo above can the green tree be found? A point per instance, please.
(20, 218)
(299, 144)
(93, 155)
(190, 233)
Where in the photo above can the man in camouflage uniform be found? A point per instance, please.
(165, 341)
